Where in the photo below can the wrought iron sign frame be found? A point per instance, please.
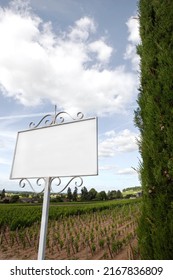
(47, 183)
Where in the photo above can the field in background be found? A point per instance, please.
(97, 230)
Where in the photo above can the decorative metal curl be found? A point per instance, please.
(50, 119)
(44, 119)
(57, 184)
(23, 182)
(72, 179)
(80, 116)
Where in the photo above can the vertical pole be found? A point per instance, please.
(44, 220)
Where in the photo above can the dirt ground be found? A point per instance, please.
(100, 236)
(30, 253)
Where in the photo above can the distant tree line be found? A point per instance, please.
(72, 196)
(92, 194)
(138, 188)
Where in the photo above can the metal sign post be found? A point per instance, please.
(73, 143)
(44, 219)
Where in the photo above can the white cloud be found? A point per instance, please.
(133, 28)
(14, 117)
(126, 171)
(123, 141)
(107, 167)
(110, 133)
(82, 29)
(37, 64)
(117, 171)
(134, 40)
(102, 50)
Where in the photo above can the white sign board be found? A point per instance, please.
(69, 149)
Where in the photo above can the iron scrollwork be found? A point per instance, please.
(57, 118)
(77, 178)
(49, 120)
(41, 181)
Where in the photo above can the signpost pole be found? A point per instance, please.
(44, 219)
(71, 147)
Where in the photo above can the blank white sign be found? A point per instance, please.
(69, 149)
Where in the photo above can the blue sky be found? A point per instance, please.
(81, 56)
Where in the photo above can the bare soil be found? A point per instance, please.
(31, 254)
(18, 252)
(108, 235)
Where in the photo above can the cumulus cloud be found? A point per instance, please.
(134, 40)
(102, 50)
(82, 29)
(37, 64)
(133, 28)
(123, 141)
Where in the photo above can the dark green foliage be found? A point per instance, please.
(24, 215)
(154, 118)
(2, 194)
(75, 194)
(102, 195)
(69, 194)
(92, 194)
(119, 194)
(14, 198)
(114, 194)
(84, 194)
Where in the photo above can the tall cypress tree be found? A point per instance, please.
(154, 118)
